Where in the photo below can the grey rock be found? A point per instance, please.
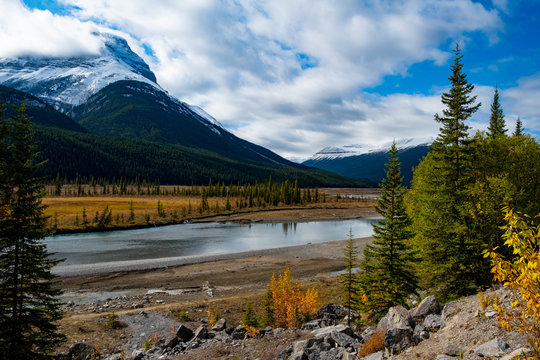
(518, 352)
(184, 333)
(312, 325)
(397, 317)
(201, 333)
(82, 351)
(492, 348)
(238, 335)
(420, 334)
(429, 306)
(445, 357)
(341, 328)
(220, 325)
(397, 339)
(432, 322)
(450, 310)
(348, 356)
(453, 350)
(171, 341)
(343, 340)
(379, 355)
(366, 334)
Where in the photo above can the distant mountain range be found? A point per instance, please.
(368, 162)
(105, 116)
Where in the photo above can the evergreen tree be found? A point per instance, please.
(386, 278)
(439, 199)
(28, 304)
(349, 280)
(496, 121)
(519, 127)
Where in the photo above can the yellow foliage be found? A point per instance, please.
(375, 343)
(251, 331)
(289, 303)
(521, 274)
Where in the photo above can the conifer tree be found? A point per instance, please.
(349, 280)
(28, 304)
(386, 278)
(439, 198)
(496, 121)
(519, 127)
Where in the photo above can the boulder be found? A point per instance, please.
(445, 357)
(379, 355)
(453, 350)
(82, 351)
(450, 310)
(342, 339)
(429, 306)
(397, 339)
(420, 334)
(397, 317)
(432, 322)
(312, 325)
(341, 328)
(171, 341)
(519, 352)
(366, 334)
(220, 325)
(493, 348)
(184, 333)
(201, 333)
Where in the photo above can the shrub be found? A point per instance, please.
(521, 274)
(375, 343)
(113, 322)
(250, 318)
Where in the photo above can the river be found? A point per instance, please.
(197, 239)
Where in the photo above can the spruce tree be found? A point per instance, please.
(28, 304)
(496, 121)
(349, 280)
(386, 278)
(439, 200)
(519, 127)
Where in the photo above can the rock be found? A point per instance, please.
(201, 333)
(342, 339)
(432, 322)
(450, 310)
(341, 328)
(397, 317)
(366, 334)
(184, 333)
(312, 325)
(420, 333)
(238, 335)
(301, 349)
(220, 325)
(137, 355)
(82, 351)
(348, 356)
(519, 352)
(331, 314)
(379, 355)
(445, 357)
(397, 340)
(171, 341)
(70, 303)
(453, 350)
(492, 348)
(429, 306)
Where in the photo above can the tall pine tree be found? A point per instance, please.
(349, 280)
(28, 304)
(386, 278)
(519, 127)
(439, 200)
(496, 121)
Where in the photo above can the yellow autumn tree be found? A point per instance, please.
(521, 273)
(289, 304)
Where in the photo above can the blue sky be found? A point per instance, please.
(296, 75)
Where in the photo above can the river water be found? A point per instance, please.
(197, 239)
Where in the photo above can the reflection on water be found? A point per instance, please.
(197, 239)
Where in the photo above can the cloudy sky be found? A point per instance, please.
(299, 75)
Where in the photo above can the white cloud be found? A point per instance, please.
(242, 60)
(37, 32)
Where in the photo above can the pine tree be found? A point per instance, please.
(385, 277)
(349, 280)
(519, 127)
(496, 121)
(28, 304)
(439, 199)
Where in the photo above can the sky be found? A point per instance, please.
(296, 76)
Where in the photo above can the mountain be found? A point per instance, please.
(367, 162)
(68, 82)
(114, 93)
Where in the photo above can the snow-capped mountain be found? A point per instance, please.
(367, 161)
(68, 82)
(333, 152)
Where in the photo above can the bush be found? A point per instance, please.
(521, 274)
(375, 343)
(250, 318)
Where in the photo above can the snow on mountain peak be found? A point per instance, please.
(68, 82)
(332, 152)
